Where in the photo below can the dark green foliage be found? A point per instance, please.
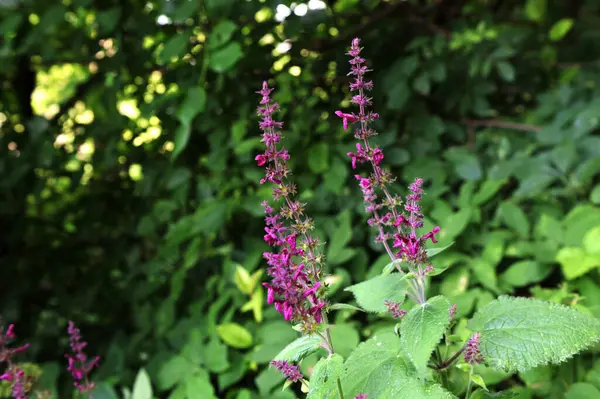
(129, 195)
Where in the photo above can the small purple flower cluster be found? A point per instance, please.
(361, 396)
(290, 371)
(391, 223)
(472, 353)
(79, 366)
(295, 269)
(13, 373)
(394, 309)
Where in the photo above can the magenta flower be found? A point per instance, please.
(394, 309)
(79, 366)
(296, 265)
(290, 371)
(361, 396)
(472, 353)
(393, 225)
(13, 373)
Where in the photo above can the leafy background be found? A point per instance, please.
(130, 201)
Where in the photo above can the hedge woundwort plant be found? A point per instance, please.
(419, 357)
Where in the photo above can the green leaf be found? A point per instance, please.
(522, 333)
(372, 294)
(344, 306)
(224, 59)
(194, 103)
(525, 272)
(377, 360)
(380, 369)
(235, 335)
(323, 381)
(560, 29)
(176, 369)
(422, 328)
(108, 19)
(595, 195)
(182, 136)
(431, 252)
(198, 386)
(318, 157)
(300, 348)
(582, 390)
(506, 70)
(467, 164)
(242, 280)
(421, 84)
(488, 189)
(591, 241)
(215, 356)
(574, 262)
(477, 379)
(535, 9)
(174, 48)
(514, 218)
(221, 33)
(142, 388)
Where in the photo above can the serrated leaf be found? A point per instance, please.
(234, 335)
(560, 29)
(142, 388)
(323, 381)
(522, 333)
(300, 348)
(372, 294)
(422, 328)
(380, 369)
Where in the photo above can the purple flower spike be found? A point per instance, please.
(361, 396)
(79, 366)
(296, 265)
(472, 353)
(13, 373)
(397, 227)
(290, 371)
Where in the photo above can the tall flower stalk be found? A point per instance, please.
(396, 227)
(13, 373)
(296, 264)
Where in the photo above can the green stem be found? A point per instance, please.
(331, 350)
(469, 384)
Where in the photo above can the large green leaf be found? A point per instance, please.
(324, 378)
(522, 333)
(380, 369)
(372, 294)
(422, 328)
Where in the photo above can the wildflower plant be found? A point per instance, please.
(413, 360)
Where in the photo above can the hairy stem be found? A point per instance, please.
(449, 362)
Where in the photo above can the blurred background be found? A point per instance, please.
(130, 198)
